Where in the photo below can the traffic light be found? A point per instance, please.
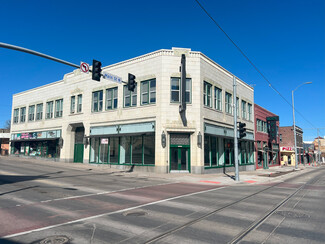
(242, 130)
(131, 82)
(97, 69)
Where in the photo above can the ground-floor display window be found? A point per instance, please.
(48, 148)
(219, 152)
(139, 150)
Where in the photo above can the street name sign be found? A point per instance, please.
(112, 77)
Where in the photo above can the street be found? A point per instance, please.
(50, 202)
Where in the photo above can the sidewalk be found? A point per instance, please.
(273, 174)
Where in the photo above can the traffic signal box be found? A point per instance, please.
(97, 69)
(242, 130)
(131, 82)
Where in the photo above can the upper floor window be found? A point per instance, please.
(31, 113)
(97, 103)
(22, 114)
(72, 104)
(175, 90)
(79, 103)
(49, 110)
(249, 112)
(16, 115)
(148, 92)
(228, 103)
(130, 97)
(39, 111)
(261, 125)
(218, 99)
(243, 109)
(111, 98)
(58, 108)
(207, 94)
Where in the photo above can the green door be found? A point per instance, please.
(78, 153)
(180, 158)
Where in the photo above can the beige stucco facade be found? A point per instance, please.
(160, 65)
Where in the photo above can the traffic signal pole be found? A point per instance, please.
(235, 131)
(21, 49)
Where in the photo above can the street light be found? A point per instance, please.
(294, 123)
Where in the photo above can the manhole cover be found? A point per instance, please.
(292, 214)
(55, 240)
(135, 213)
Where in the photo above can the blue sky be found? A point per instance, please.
(285, 40)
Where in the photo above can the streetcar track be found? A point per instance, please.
(255, 224)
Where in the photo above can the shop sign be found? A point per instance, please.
(32, 135)
(51, 134)
(104, 141)
(15, 137)
(41, 134)
(286, 148)
(24, 135)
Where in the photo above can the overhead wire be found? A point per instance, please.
(254, 66)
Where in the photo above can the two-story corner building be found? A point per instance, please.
(267, 152)
(81, 120)
(287, 145)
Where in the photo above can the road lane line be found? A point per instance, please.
(110, 213)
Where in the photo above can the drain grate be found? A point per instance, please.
(135, 213)
(292, 214)
(55, 240)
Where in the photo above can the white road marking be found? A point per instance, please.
(110, 213)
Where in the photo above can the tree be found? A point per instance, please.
(7, 124)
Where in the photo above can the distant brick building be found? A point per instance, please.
(267, 152)
(320, 150)
(287, 145)
(4, 141)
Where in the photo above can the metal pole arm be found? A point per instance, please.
(21, 49)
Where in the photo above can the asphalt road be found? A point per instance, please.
(63, 203)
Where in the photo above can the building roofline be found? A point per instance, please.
(266, 110)
(160, 52)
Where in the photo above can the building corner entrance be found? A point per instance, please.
(180, 153)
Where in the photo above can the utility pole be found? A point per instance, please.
(318, 145)
(235, 131)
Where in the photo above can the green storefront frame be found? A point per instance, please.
(98, 154)
(228, 153)
(180, 149)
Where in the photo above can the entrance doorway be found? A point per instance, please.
(180, 152)
(78, 145)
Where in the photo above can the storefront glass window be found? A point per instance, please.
(214, 151)
(137, 149)
(32, 148)
(125, 150)
(206, 150)
(103, 151)
(113, 150)
(229, 152)
(221, 151)
(149, 149)
(94, 147)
